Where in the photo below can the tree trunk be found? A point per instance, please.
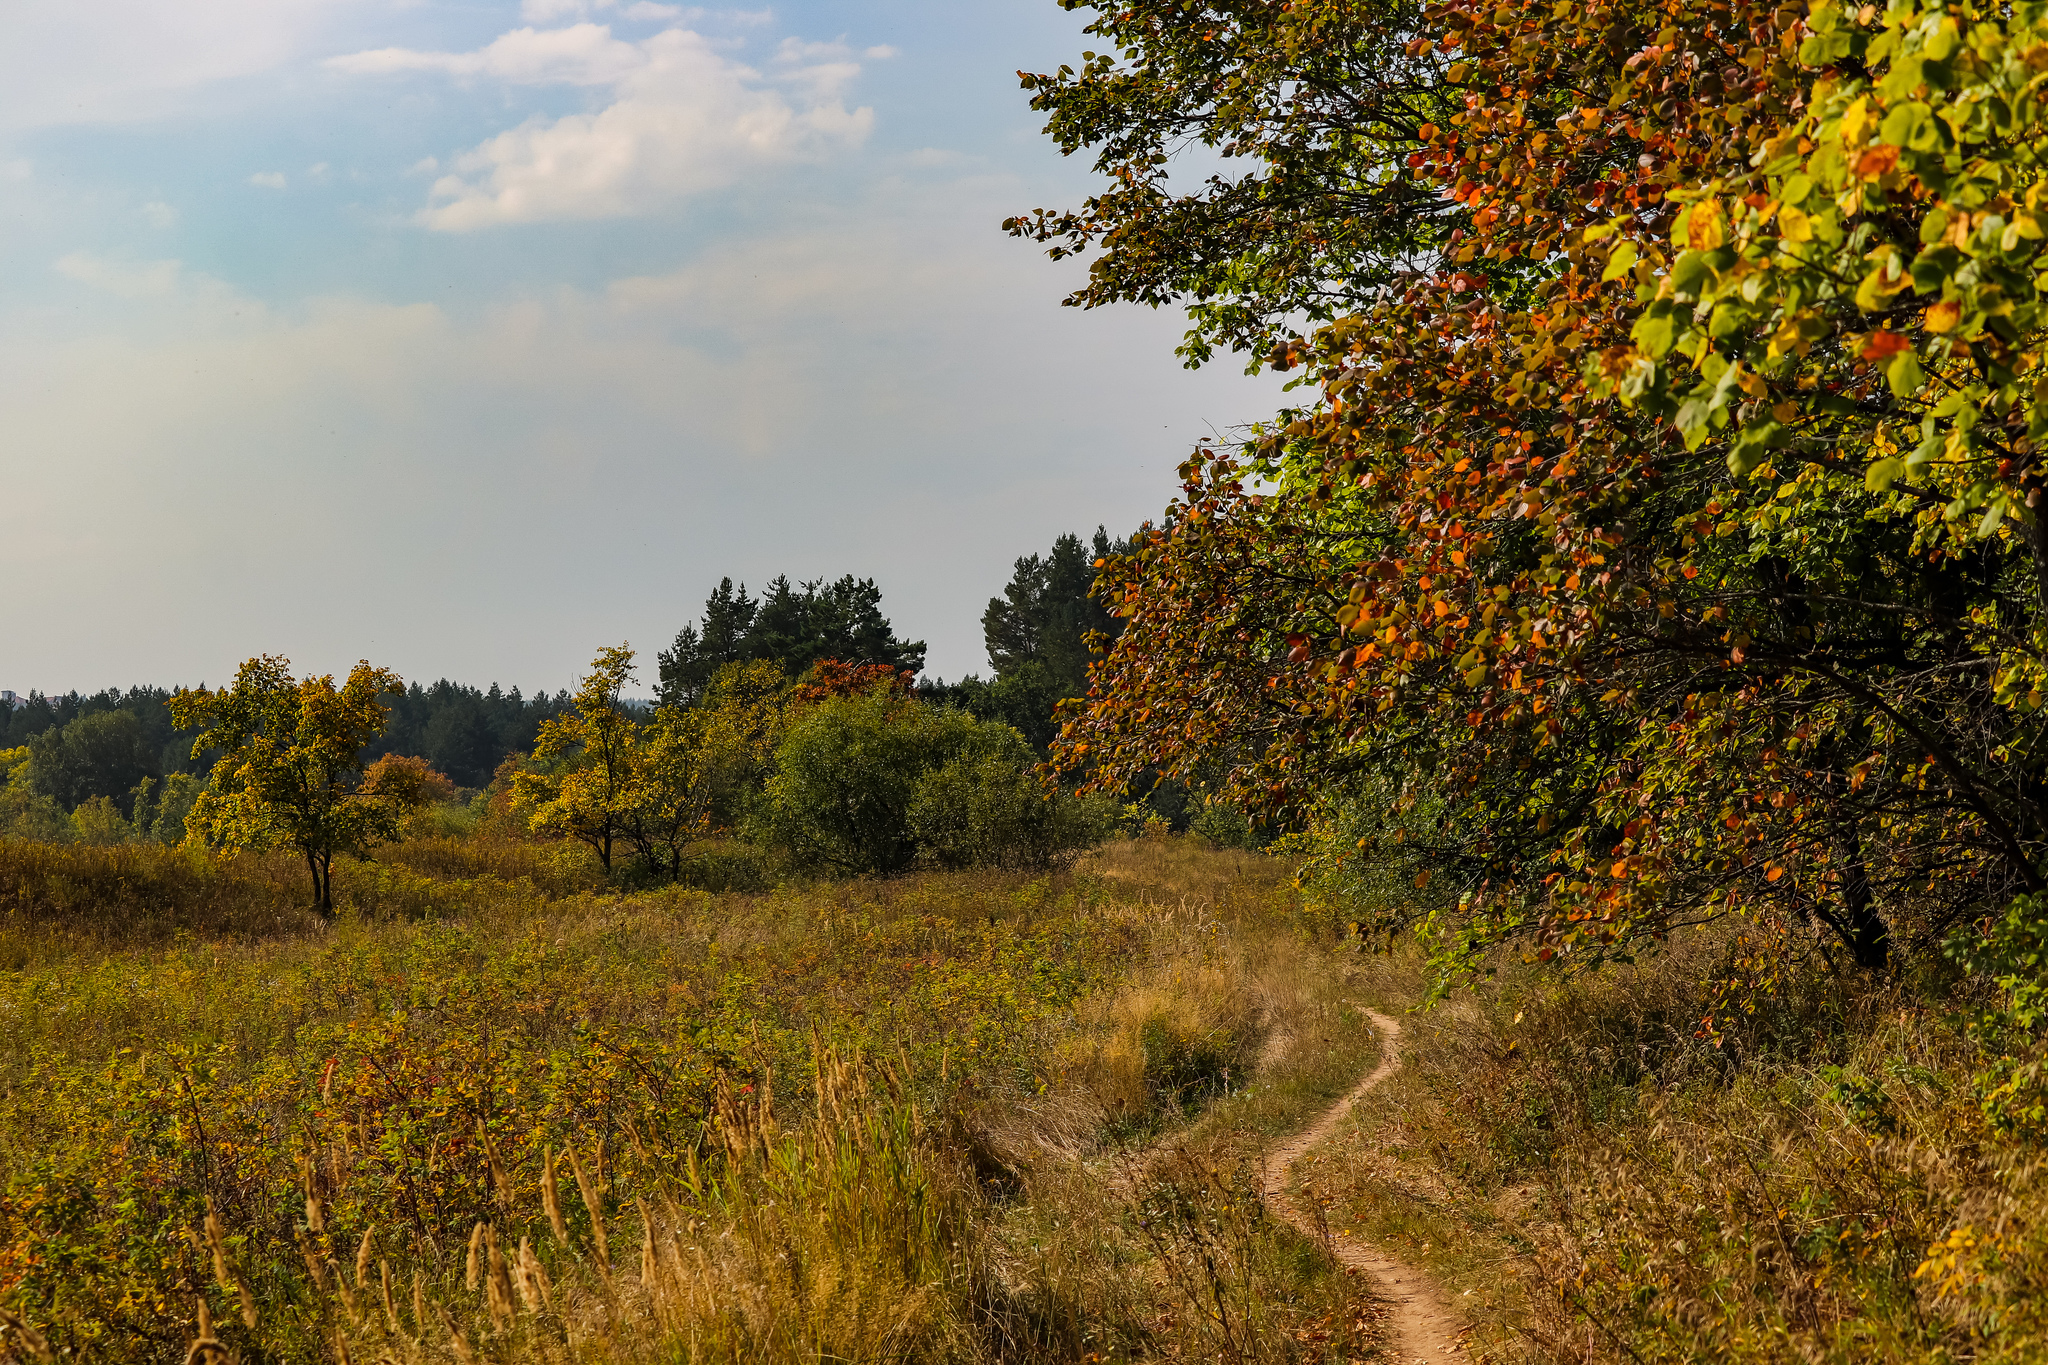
(322, 869)
(1862, 929)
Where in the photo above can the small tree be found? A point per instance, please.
(290, 771)
(585, 787)
(695, 763)
(412, 785)
(872, 783)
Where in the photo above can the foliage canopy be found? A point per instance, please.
(1665, 547)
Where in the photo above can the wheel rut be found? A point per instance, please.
(1420, 1326)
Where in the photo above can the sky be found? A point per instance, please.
(471, 337)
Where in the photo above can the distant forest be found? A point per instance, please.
(105, 745)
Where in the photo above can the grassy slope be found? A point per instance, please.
(867, 1121)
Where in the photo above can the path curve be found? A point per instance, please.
(1420, 1326)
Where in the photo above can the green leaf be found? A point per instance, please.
(1691, 273)
(1618, 262)
(1878, 478)
(1654, 332)
(1904, 375)
(1752, 446)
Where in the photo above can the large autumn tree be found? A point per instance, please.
(1660, 543)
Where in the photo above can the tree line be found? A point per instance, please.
(149, 764)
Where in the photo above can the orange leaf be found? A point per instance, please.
(1944, 316)
(1877, 162)
(1882, 346)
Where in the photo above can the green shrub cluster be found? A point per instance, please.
(874, 783)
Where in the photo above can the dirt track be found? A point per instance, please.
(1420, 1327)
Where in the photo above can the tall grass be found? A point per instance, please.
(317, 1133)
(1820, 1185)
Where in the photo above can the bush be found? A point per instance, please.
(992, 812)
(1224, 826)
(849, 771)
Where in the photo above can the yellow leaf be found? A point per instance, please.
(1854, 120)
(1706, 229)
(1794, 225)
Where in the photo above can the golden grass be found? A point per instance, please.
(1596, 1184)
(976, 1117)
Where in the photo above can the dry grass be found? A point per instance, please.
(978, 1117)
(1596, 1184)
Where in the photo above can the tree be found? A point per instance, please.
(794, 626)
(412, 786)
(104, 754)
(698, 763)
(1048, 612)
(1320, 101)
(291, 763)
(1678, 534)
(584, 786)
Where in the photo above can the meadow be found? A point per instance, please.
(499, 1110)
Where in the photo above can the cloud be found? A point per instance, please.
(547, 11)
(122, 60)
(684, 118)
(582, 54)
(160, 214)
(269, 180)
(647, 12)
(122, 279)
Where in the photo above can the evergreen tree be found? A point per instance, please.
(1046, 613)
(794, 625)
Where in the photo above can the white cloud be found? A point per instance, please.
(160, 214)
(269, 180)
(582, 54)
(647, 12)
(547, 11)
(119, 60)
(684, 118)
(122, 279)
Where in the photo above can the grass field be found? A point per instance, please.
(1591, 1181)
(499, 1112)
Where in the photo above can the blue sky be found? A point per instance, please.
(472, 337)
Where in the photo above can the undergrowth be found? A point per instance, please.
(1595, 1181)
(495, 1112)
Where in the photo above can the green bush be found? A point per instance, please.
(868, 784)
(1224, 825)
(992, 811)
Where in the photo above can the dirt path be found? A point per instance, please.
(1420, 1326)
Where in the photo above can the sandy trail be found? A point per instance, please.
(1420, 1326)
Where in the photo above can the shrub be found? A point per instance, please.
(992, 812)
(1224, 825)
(849, 771)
